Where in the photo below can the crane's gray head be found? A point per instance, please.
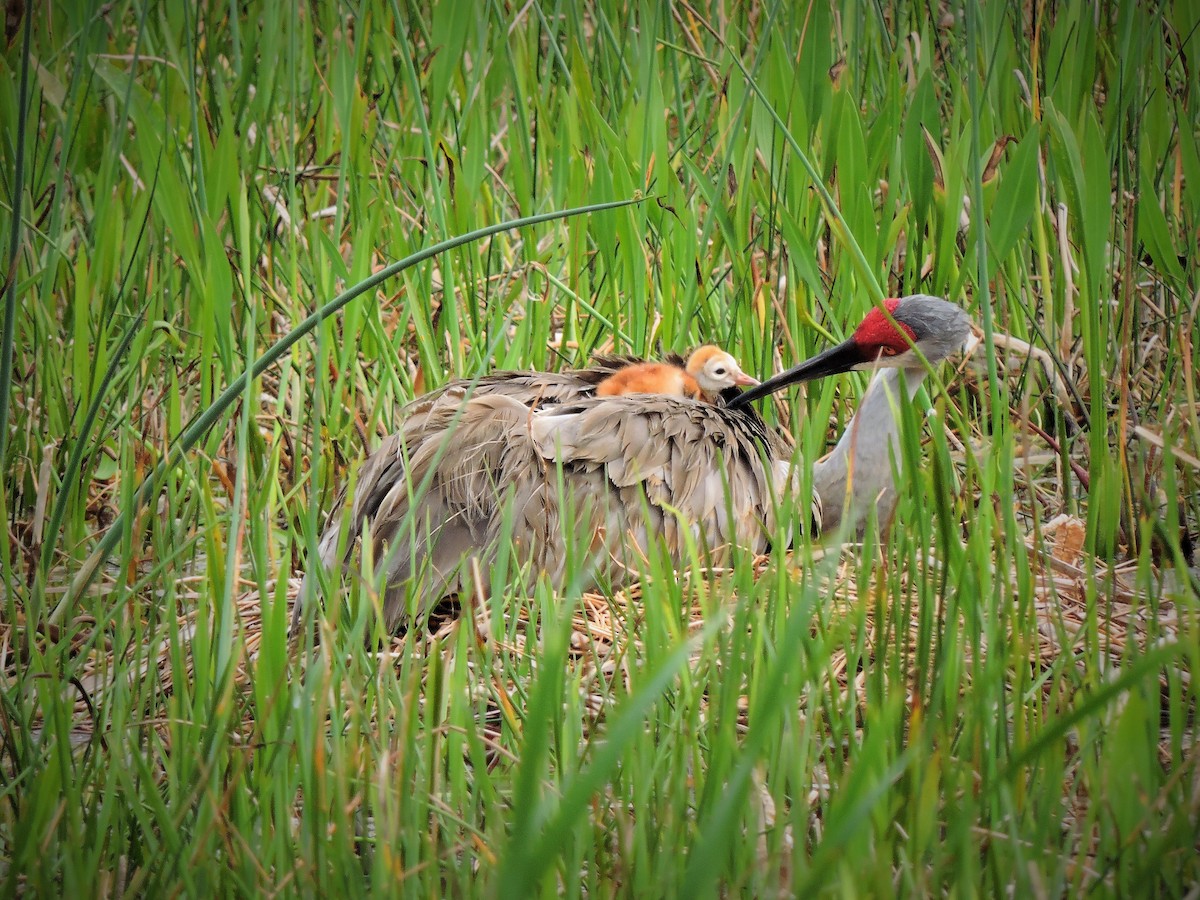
(933, 326)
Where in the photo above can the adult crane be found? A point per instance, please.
(537, 460)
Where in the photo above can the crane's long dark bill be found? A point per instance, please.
(833, 361)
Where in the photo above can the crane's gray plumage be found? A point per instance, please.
(538, 460)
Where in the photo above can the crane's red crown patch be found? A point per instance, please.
(877, 333)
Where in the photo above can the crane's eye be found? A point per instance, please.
(886, 350)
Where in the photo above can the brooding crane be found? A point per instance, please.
(537, 460)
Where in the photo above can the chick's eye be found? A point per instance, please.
(718, 371)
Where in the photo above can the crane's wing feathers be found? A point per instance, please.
(686, 458)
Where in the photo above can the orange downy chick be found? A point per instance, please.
(709, 371)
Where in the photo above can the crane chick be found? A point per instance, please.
(708, 372)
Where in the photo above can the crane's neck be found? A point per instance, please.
(858, 471)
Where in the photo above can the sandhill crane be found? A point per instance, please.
(708, 373)
(537, 459)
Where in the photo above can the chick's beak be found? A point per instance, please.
(741, 378)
